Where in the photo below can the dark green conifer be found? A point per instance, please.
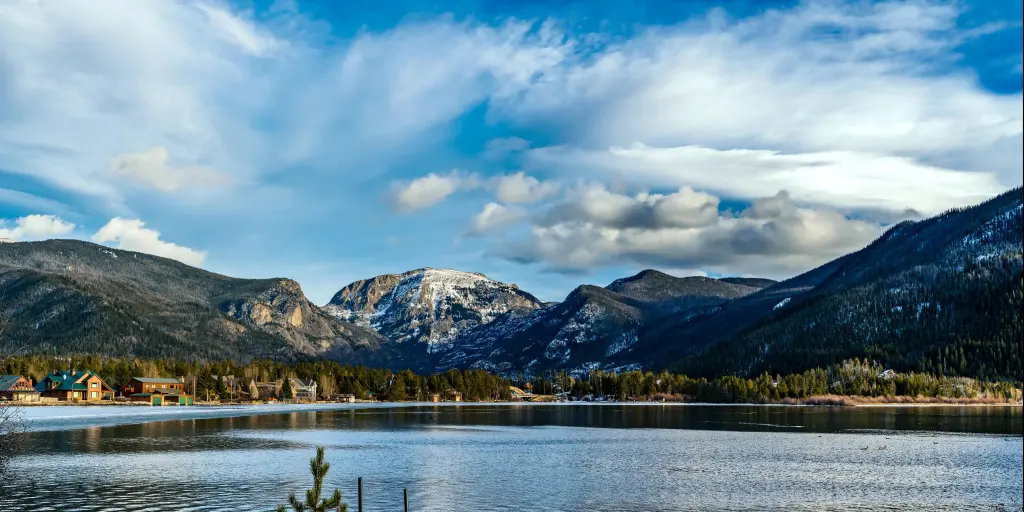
(314, 502)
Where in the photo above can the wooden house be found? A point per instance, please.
(148, 385)
(265, 390)
(75, 385)
(156, 391)
(303, 389)
(17, 389)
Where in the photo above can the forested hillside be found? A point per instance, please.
(69, 297)
(943, 295)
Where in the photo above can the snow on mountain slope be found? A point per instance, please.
(593, 328)
(428, 305)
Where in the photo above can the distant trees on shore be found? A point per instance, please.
(850, 378)
(332, 378)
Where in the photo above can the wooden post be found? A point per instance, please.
(405, 499)
(360, 495)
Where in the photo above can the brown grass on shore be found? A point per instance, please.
(848, 401)
(851, 401)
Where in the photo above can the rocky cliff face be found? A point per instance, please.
(430, 306)
(283, 309)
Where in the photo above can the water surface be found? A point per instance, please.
(540, 457)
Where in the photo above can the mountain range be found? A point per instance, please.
(942, 295)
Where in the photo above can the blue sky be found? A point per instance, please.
(545, 143)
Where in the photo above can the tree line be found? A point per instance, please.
(332, 378)
(853, 377)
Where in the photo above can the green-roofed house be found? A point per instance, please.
(156, 391)
(75, 385)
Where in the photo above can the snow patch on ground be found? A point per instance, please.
(70, 417)
(625, 340)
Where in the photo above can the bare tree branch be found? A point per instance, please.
(12, 425)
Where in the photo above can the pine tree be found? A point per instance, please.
(314, 502)
(397, 392)
(287, 393)
(221, 387)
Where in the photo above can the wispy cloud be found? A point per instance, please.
(495, 216)
(152, 169)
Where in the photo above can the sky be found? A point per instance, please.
(545, 143)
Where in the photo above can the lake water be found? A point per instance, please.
(537, 457)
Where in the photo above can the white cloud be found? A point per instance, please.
(520, 188)
(151, 168)
(35, 227)
(247, 96)
(426, 191)
(595, 204)
(495, 216)
(133, 235)
(843, 179)
(772, 81)
(772, 238)
(869, 117)
(429, 190)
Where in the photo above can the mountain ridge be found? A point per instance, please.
(57, 292)
(941, 295)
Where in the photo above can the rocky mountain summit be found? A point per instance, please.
(427, 305)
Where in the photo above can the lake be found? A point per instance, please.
(533, 457)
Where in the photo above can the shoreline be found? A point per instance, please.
(75, 417)
(812, 401)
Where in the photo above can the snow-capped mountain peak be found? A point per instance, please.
(427, 305)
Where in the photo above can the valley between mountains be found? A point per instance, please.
(942, 295)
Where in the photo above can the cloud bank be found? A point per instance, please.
(35, 227)
(605, 148)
